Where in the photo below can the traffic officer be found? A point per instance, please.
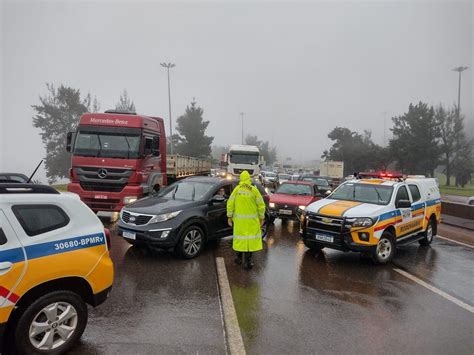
(246, 213)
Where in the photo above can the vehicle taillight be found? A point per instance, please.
(107, 238)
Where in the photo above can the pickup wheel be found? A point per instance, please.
(385, 249)
(429, 233)
(51, 324)
(314, 248)
(191, 242)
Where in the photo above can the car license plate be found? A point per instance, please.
(324, 238)
(129, 235)
(287, 212)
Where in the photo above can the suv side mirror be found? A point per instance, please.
(217, 199)
(69, 138)
(155, 149)
(403, 204)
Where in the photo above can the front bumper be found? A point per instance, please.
(275, 212)
(339, 237)
(152, 234)
(105, 200)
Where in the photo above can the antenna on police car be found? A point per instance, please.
(34, 172)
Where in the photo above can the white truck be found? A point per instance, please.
(332, 169)
(244, 157)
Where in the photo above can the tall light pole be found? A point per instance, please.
(242, 117)
(168, 66)
(459, 70)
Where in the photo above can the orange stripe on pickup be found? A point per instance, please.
(338, 208)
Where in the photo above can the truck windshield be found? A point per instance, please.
(366, 193)
(105, 144)
(244, 158)
(186, 190)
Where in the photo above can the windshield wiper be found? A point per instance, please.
(100, 146)
(378, 195)
(128, 144)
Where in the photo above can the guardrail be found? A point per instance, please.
(457, 210)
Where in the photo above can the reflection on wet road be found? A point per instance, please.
(294, 302)
(290, 302)
(159, 304)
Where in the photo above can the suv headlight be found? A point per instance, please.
(361, 221)
(164, 217)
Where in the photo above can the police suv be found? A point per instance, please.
(54, 259)
(374, 215)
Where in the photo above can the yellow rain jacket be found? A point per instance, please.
(246, 207)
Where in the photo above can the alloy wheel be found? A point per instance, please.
(53, 326)
(192, 242)
(384, 249)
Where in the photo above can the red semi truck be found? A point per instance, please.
(118, 158)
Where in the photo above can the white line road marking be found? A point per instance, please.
(443, 294)
(455, 241)
(232, 329)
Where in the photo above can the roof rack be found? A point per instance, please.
(27, 189)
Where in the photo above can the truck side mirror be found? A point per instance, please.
(69, 138)
(155, 149)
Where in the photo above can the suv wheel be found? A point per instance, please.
(51, 324)
(385, 249)
(191, 242)
(429, 234)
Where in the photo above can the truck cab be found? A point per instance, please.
(244, 157)
(116, 159)
(374, 216)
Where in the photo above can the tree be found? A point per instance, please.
(58, 114)
(191, 139)
(269, 153)
(414, 145)
(357, 151)
(463, 162)
(125, 104)
(451, 128)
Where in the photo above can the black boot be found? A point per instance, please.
(248, 261)
(238, 258)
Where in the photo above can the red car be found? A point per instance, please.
(291, 196)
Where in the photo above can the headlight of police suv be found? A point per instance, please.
(361, 221)
(164, 217)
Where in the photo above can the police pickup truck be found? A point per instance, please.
(374, 216)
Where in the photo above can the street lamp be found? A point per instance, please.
(168, 66)
(242, 117)
(459, 70)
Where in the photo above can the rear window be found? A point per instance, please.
(39, 219)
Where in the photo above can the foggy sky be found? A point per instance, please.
(297, 70)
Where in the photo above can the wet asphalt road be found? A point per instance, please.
(291, 302)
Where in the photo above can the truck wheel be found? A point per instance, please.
(428, 234)
(51, 324)
(191, 242)
(385, 249)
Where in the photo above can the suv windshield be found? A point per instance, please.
(360, 192)
(186, 190)
(294, 189)
(105, 144)
(244, 158)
